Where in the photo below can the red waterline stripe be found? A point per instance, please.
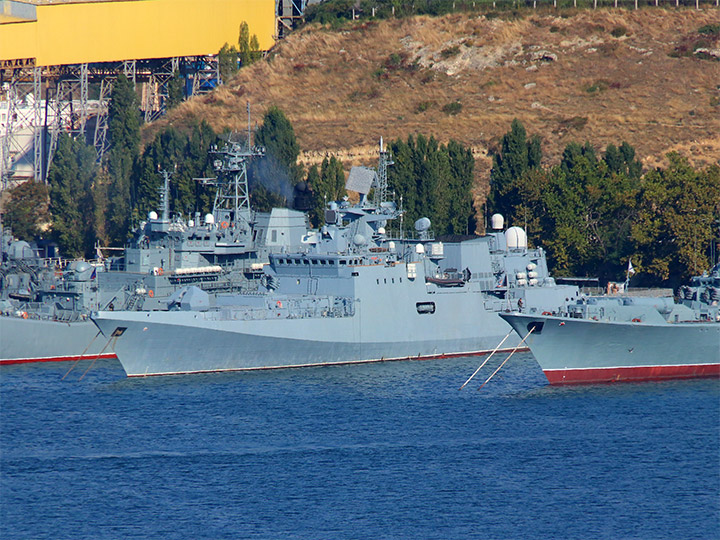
(56, 359)
(629, 374)
(440, 356)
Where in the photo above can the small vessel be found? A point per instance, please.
(625, 338)
(353, 293)
(45, 301)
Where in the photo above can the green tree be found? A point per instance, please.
(516, 155)
(227, 62)
(248, 46)
(277, 135)
(71, 179)
(255, 52)
(26, 211)
(124, 137)
(176, 91)
(327, 185)
(679, 211)
(434, 181)
(186, 157)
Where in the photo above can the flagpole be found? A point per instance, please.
(628, 273)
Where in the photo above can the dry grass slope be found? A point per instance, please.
(602, 76)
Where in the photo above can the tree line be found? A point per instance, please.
(595, 211)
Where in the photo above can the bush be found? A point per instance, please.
(618, 31)
(452, 108)
(423, 106)
(450, 52)
(710, 29)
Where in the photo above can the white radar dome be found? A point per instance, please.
(152, 215)
(381, 230)
(497, 222)
(419, 249)
(209, 219)
(516, 238)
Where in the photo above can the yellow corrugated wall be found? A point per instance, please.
(112, 31)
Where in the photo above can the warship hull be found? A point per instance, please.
(30, 340)
(576, 351)
(164, 343)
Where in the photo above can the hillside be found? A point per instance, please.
(601, 76)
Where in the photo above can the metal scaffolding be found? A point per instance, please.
(38, 104)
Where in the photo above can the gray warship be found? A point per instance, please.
(356, 292)
(45, 301)
(625, 338)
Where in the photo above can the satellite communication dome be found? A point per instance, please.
(381, 230)
(497, 222)
(419, 249)
(359, 240)
(422, 224)
(209, 219)
(516, 238)
(152, 215)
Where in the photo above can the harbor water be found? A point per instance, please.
(389, 450)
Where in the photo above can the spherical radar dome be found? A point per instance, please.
(516, 238)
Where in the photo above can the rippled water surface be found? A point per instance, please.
(390, 450)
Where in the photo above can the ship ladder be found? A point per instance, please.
(486, 360)
(508, 358)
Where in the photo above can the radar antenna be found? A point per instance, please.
(233, 192)
(386, 160)
(165, 196)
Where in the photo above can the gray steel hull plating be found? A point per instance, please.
(186, 342)
(32, 340)
(583, 351)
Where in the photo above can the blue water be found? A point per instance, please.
(391, 450)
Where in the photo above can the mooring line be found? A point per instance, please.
(81, 355)
(98, 356)
(508, 358)
(488, 358)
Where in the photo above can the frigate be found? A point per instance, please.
(45, 301)
(626, 338)
(357, 291)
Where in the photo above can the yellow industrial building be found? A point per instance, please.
(60, 32)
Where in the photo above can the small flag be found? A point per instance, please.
(630, 270)
(94, 274)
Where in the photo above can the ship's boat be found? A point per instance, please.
(626, 338)
(357, 291)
